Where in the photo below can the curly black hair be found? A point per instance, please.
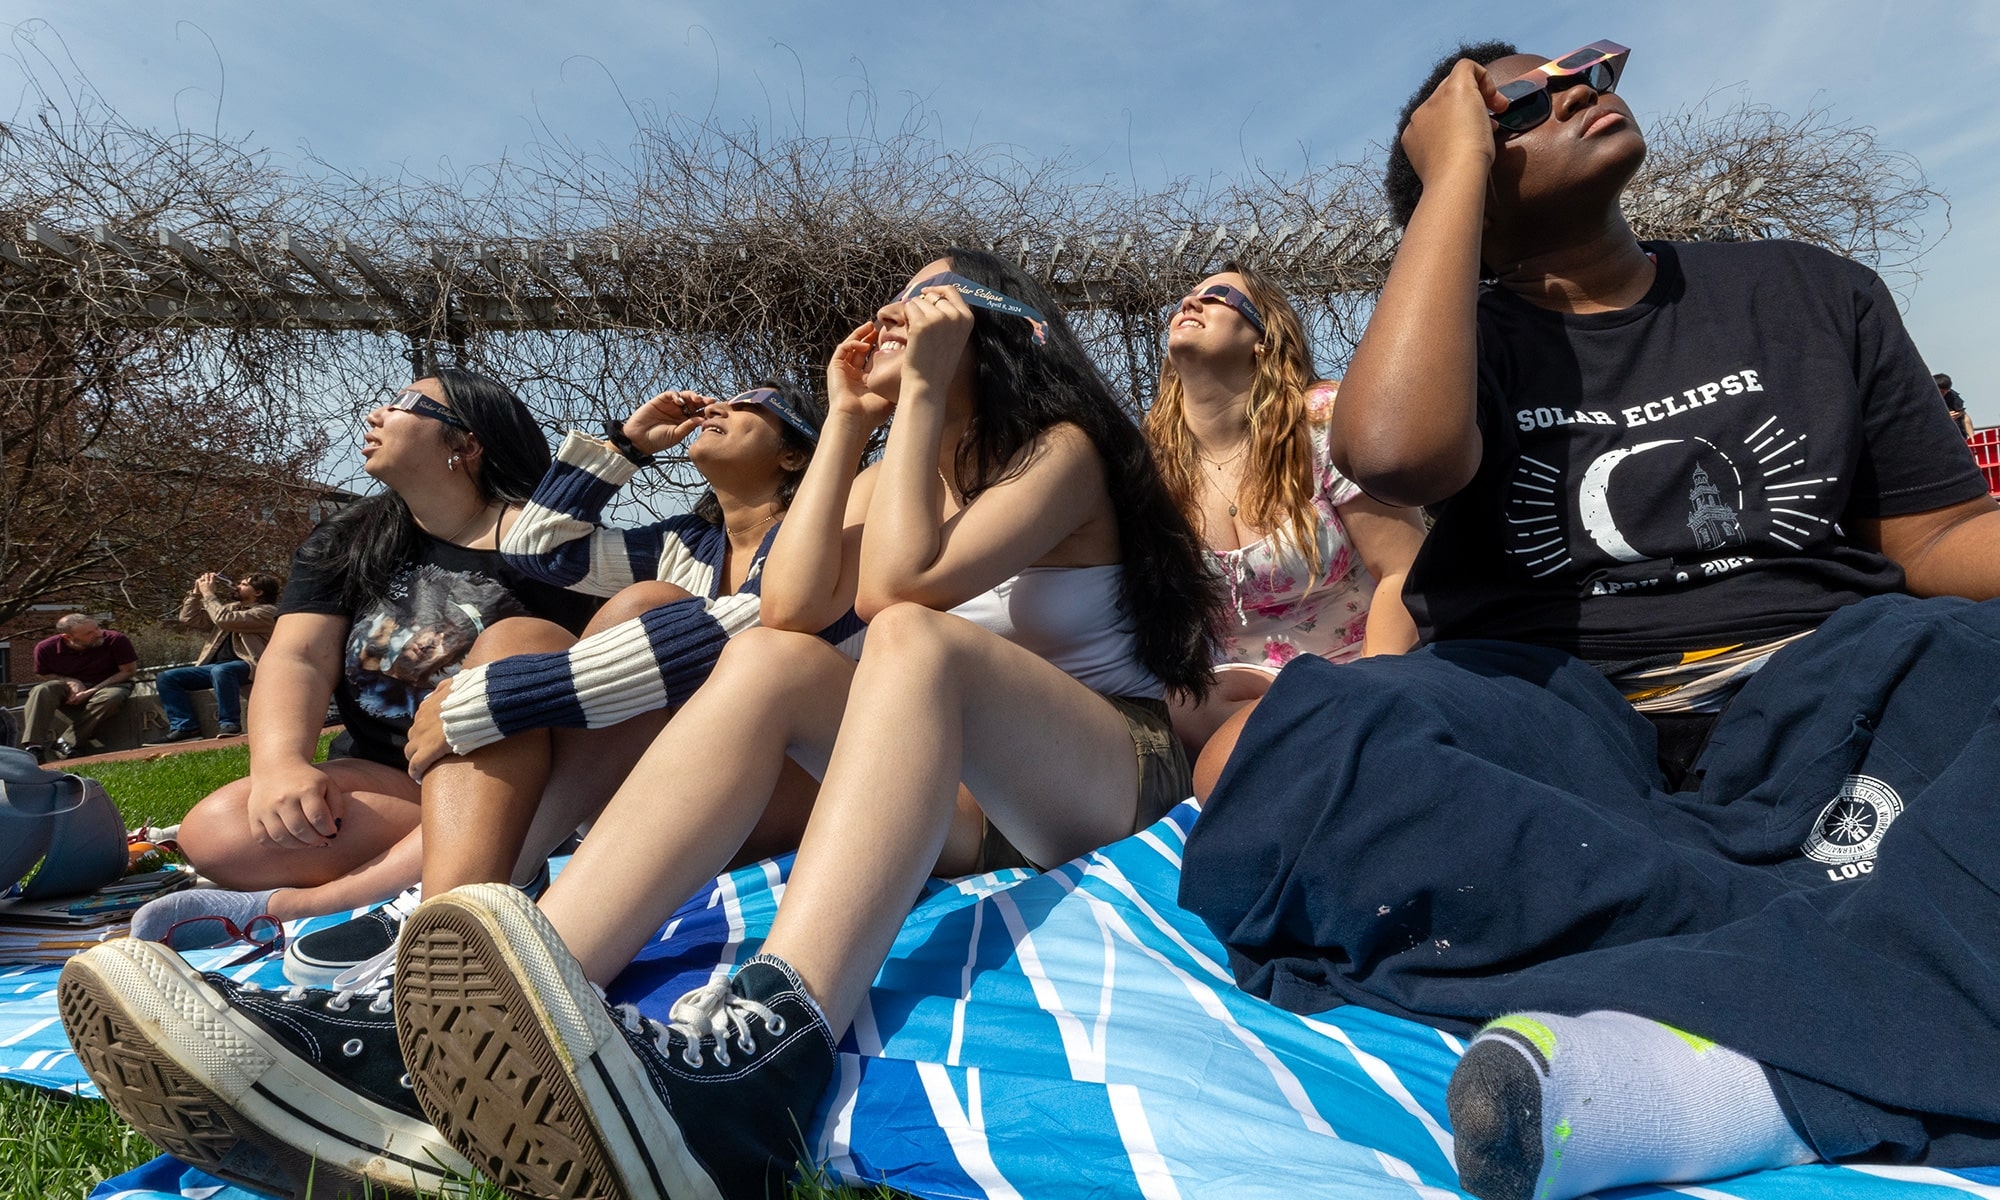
(1400, 181)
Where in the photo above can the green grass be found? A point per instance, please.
(58, 1147)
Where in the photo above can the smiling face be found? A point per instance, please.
(1557, 175)
(1204, 326)
(737, 438)
(885, 366)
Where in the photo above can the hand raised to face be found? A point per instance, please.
(938, 323)
(1455, 125)
(847, 380)
(665, 420)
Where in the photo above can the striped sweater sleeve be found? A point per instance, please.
(557, 538)
(653, 661)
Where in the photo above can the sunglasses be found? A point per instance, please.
(1234, 299)
(773, 401)
(1529, 100)
(265, 932)
(978, 295)
(412, 401)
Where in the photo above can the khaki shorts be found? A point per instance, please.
(1165, 779)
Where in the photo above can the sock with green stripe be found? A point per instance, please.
(1546, 1108)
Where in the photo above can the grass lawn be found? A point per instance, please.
(59, 1147)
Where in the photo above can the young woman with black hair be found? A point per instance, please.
(1033, 592)
(1239, 428)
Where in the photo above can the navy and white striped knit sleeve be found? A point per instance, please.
(557, 538)
(654, 661)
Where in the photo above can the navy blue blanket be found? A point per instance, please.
(1481, 828)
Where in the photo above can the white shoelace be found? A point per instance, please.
(706, 1012)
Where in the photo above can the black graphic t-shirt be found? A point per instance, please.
(400, 644)
(1684, 473)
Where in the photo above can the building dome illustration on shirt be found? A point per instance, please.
(1713, 523)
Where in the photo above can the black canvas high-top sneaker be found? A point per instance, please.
(551, 1091)
(281, 1091)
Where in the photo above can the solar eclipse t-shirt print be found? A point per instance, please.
(1680, 474)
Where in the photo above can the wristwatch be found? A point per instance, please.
(614, 432)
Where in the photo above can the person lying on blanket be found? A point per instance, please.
(1685, 778)
(533, 733)
(1240, 432)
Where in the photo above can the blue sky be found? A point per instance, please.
(1138, 91)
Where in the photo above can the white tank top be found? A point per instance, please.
(1075, 618)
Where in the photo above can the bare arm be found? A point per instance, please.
(811, 572)
(1050, 491)
(1950, 551)
(1406, 428)
(291, 802)
(1387, 539)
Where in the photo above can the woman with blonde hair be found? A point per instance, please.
(1239, 429)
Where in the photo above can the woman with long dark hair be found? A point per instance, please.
(1239, 429)
(1033, 593)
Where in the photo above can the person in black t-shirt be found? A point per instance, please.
(1690, 480)
(383, 602)
(1953, 403)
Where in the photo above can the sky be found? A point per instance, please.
(1143, 92)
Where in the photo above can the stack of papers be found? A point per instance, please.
(35, 931)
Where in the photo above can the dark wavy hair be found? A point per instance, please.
(368, 543)
(807, 405)
(1400, 180)
(268, 586)
(1022, 389)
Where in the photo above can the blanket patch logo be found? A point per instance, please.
(1851, 826)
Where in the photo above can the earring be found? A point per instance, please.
(451, 464)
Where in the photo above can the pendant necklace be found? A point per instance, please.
(1216, 483)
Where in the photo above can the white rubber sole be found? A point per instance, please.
(201, 1080)
(515, 1059)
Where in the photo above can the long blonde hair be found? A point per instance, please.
(1278, 486)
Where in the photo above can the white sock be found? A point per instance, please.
(1546, 1108)
(156, 916)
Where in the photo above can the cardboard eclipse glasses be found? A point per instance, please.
(978, 295)
(1529, 98)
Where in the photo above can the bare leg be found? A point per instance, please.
(699, 792)
(381, 811)
(1215, 755)
(1234, 688)
(936, 699)
(477, 807)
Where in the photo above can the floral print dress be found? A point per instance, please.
(1277, 608)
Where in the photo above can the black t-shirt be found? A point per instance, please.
(1683, 474)
(400, 644)
(1953, 402)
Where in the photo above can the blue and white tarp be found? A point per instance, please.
(1070, 1034)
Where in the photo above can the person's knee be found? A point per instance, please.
(517, 635)
(912, 635)
(760, 662)
(215, 833)
(1215, 755)
(635, 602)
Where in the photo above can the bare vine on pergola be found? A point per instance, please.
(702, 257)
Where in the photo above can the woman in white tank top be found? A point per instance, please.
(1310, 564)
(1032, 592)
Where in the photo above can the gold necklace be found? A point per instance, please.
(483, 510)
(749, 528)
(1218, 491)
(1219, 464)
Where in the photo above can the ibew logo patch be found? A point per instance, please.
(1850, 828)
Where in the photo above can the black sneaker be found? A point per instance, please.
(321, 957)
(551, 1091)
(187, 734)
(281, 1091)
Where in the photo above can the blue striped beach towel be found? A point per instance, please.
(1074, 1034)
